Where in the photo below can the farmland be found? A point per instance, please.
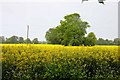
(57, 62)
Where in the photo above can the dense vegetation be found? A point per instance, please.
(56, 62)
(21, 40)
(102, 41)
(71, 31)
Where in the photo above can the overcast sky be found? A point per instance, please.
(44, 14)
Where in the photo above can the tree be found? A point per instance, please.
(86, 41)
(13, 39)
(28, 40)
(71, 31)
(35, 41)
(52, 36)
(90, 40)
(20, 40)
(117, 41)
(2, 39)
(108, 42)
(100, 41)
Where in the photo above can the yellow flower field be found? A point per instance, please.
(48, 62)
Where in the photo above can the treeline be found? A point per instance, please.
(102, 41)
(21, 40)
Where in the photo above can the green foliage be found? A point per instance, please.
(35, 41)
(28, 40)
(13, 39)
(20, 40)
(102, 41)
(74, 42)
(2, 39)
(90, 40)
(53, 36)
(70, 31)
(66, 41)
(86, 41)
(117, 41)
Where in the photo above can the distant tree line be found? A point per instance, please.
(102, 41)
(19, 40)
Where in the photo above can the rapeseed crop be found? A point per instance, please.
(57, 62)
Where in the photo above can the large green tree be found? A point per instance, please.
(71, 31)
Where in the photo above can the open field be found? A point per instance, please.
(57, 62)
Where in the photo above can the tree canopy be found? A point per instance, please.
(12, 39)
(71, 31)
(90, 40)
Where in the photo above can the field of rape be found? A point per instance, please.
(57, 62)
